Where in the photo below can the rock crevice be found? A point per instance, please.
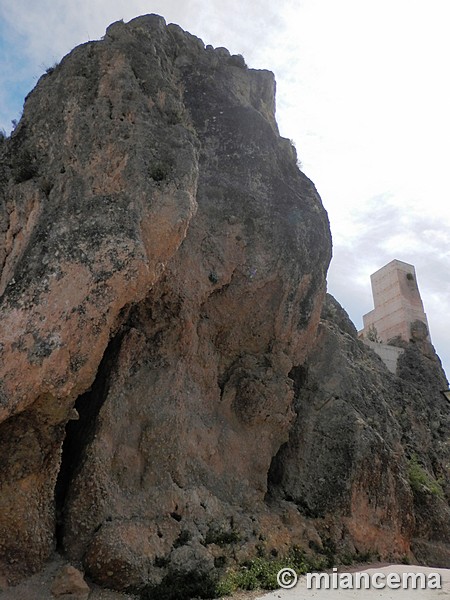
(80, 431)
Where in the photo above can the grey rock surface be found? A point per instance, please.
(367, 457)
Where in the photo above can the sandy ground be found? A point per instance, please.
(300, 591)
(38, 588)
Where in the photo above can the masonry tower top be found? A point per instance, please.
(398, 311)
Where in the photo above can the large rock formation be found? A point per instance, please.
(168, 405)
(368, 455)
(163, 270)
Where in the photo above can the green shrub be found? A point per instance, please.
(222, 537)
(261, 573)
(372, 335)
(421, 481)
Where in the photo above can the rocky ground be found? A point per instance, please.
(38, 587)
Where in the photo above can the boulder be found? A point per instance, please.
(69, 584)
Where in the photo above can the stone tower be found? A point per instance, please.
(398, 308)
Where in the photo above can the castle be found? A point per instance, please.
(398, 312)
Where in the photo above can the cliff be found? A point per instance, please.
(367, 457)
(171, 401)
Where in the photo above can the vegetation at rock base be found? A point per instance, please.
(261, 572)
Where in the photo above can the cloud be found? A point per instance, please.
(53, 27)
(382, 231)
(41, 33)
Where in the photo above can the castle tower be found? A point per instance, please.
(398, 308)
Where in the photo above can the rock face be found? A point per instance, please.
(163, 270)
(170, 404)
(368, 454)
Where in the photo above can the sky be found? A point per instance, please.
(362, 90)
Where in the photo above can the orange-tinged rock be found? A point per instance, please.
(164, 266)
